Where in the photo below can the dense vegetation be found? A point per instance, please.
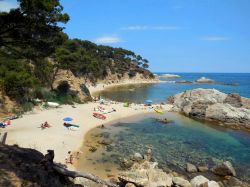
(33, 47)
(94, 62)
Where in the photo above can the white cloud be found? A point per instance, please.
(214, 38)
(6, 5)
(108, 40)
(145, 27)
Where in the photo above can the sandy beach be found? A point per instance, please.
(101, 86)
(26, 131)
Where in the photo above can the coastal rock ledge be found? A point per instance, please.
(229, 110)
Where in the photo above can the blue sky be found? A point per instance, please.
(174, 35)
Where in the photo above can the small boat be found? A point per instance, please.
(52, 104)
(99, 116)
(158, 111)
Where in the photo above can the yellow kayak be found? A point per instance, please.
(158, 111)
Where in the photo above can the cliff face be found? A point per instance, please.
(77, 84)
(22, 167)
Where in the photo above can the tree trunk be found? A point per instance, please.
(3, 137)
(75, 174)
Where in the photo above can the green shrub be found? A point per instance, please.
(27, 106)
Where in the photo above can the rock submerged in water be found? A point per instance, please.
(224, 169)
(184, 82)
(202, 168)
(170, 76)
(165, 120)
(191, 168)
(105, 141)
(209, 104)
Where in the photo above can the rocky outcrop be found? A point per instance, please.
(146, 174)
(230, 110)
(203, 80)
(73, 85)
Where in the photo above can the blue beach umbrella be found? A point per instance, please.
(68, 119)
(148, 101)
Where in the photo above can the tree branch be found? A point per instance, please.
(75, 174)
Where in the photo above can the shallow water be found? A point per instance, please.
(173, 145)
(160, 92)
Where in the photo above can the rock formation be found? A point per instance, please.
(75, 85)
(230, 110)
(203, 80)
(224, 169)
(146, 174)
(170, 76)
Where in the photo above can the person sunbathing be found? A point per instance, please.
(45, 125)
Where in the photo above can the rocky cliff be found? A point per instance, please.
(230, 110)
(77, 85)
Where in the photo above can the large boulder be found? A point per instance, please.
(198, 181)
(146, 174)
(211, 184)
(224, 169)
(191, 168)
(209, 104)
(181, 182)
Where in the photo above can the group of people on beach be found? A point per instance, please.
(4, 123)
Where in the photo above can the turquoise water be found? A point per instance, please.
(182, 141)
(160, 92)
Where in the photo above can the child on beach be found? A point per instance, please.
(69, 158)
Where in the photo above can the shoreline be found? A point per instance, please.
(25, 131)
(102, 86)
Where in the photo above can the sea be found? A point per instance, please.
(182, 141)
(224, 82)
